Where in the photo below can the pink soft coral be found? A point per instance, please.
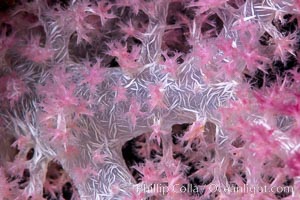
(284, 46)
(207, 5)
(58, 96)
(121, 93)
(23, 142)
(103, 9)
(156, 93)
(134, 112)
(81, 174)
(157, 132)
(194, 132)
(35, 52)
(130, 30)
(150, 172)
(75, 20)
(171, 64)
(294, 163)
(128, 59)
(12, 88)
(94, 75)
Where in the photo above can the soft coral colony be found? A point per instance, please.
(149, 99)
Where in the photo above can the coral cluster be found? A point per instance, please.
(149, 99)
